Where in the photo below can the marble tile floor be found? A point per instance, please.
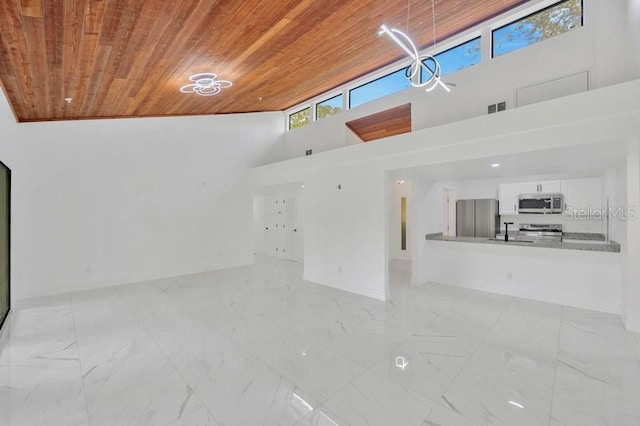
(260, 346)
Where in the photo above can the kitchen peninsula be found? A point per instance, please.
(575, 241)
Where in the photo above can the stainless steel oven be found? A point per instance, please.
(540, 203)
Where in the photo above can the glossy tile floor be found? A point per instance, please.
(259, 346)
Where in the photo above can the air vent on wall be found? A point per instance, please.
(501, 106)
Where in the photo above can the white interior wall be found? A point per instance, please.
(599, 47)
(397, 191)
(345, 243)
(633, 37)
(611, 113)
(631, 266)
(588, 280)
(103, 202)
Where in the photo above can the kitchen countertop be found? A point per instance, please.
(593, 242)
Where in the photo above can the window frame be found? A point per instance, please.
(477, 37)
(367, 82)
(308, 107)
(522, 18)
(318, 103)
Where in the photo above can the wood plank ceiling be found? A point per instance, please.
(128, 58)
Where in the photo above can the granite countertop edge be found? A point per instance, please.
(611, 247)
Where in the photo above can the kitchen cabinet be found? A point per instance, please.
(527, 188)
(541, 187)
(550, 187)
(508, 197)
(583, 194)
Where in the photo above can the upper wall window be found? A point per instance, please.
(462, 56)
(383, 86)
(329, 107)
(546, 23)
(300, 118)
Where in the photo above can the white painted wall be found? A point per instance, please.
(345, 243)
(107, 202)
(349, 231)
(588, 280)
(396, 192)
(631, 266)
(599, 47)
(633, 37)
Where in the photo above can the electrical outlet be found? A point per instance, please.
(509, 275)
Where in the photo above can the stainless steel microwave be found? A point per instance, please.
(541, 203)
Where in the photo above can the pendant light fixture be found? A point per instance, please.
(427, 63)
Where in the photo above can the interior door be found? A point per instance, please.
(271, 229)
(5, 211)
(291, 231)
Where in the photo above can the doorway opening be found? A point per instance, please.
(5, 242)
(400, 226)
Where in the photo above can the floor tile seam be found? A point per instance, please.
(312, 346)
(468, 361)
(369, 370)
(375, 364)
(555, 366)
(365, 367)
(81, 376)
(184, 380)
(447, 406)
(322, 402)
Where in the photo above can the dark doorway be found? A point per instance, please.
(5, 242)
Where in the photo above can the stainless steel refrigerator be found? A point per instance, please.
(477, 218)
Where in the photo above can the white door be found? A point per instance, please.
(260, 224)
(273, 226)
(291, 231)
(283, 229)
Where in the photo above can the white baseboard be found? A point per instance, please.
(348, 286)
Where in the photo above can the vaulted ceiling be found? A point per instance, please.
(129, 58)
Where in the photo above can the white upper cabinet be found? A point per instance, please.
(508, 198)
(527, 188)
(579, 194)
(550, 186)
(583, 194)
(541, 187)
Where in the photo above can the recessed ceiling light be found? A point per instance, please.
(494, 165)
(205, 84)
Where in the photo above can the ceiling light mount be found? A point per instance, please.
(205, 84)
